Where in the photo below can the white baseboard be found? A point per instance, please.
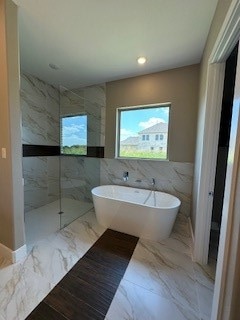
(13, 256)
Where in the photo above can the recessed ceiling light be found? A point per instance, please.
(141, 60)
(53, 66)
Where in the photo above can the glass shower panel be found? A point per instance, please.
(75, 198)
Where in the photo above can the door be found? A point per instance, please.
(228, 258)
(222, 153)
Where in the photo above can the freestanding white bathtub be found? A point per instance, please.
(139, 212)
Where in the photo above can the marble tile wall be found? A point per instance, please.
(95, 97)
(90, 101)
(41, 181)
(40, 111)
(172, 177)
(78, 176)
(40, 125)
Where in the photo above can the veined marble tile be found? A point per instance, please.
(165, 170)
(170, 177)
(71, 102)
(53, 257)
(33, 118)
(181, 226)
(92, 175)
(25, 284)
(205, 288)
(166, 272)
(20, 291)
(53, 115)
(35, 166)
(79, 176)
(73, 193)
(112, 171)
(53, 99)
(41, 222)
(33, 89)
(72, 167)
(50, 260)
(84, 231)
(136, 303)
(183, 190)
(184, 171)
(73, 209)
(93, 109)
(180, 238)
(72, 183)
(34, 132)
(53, 190)
(35, 198)
(96, 94)
(53, 132)
(35, 183)
(10, 286)
(93, 133)
(103, 126)
(53, 166)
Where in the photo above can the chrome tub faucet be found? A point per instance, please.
(125, 176)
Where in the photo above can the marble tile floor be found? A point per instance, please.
(161, 281)
(43, 221)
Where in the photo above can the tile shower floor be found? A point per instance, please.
(160, 282)
(43, 221)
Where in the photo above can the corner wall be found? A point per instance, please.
(217, 22)
(12, 236)
(40, 126)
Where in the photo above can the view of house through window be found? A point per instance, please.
(143, 131)
(74, 135)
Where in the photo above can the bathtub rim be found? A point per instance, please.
(141, 204)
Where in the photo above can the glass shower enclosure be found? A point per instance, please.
(59, 127)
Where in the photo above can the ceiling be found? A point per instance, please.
(93, 41)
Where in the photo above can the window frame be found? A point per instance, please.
(140, 107)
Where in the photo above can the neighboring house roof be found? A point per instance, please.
(156, 128)
(130, 141)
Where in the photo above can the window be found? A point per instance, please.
(74, 135)
(143, 131)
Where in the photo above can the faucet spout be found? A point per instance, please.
(153, 182)
(125, 176)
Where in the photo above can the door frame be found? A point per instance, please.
(224, 44)
(215, 81)
(226, 273)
